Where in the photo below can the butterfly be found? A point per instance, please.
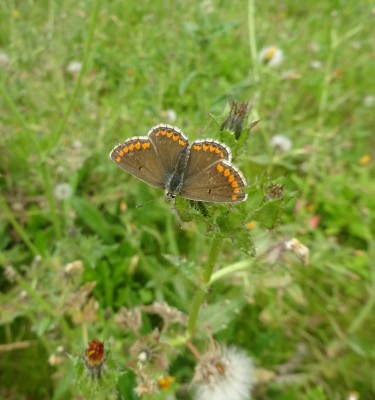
(200, 171)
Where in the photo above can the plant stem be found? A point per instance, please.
(252, 40)
(201, 293)
(17, 227)
(60, 129)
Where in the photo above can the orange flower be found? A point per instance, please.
(94, 357)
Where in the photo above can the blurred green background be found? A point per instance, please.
(79, 77)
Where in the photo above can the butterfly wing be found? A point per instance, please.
(138, 157)
(210, 176)
(151, 158)
(169, 144)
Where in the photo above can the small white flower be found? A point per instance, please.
(272, 56)
(356, 45)
(369, 101)
(314, 47)
(4, 59)
(74, 67)
(62, 191)
(353, 396)
(170, 115)
(77, 144)
(224, 373)
(281, 143)
(10, 273)
(316, 64)
(207, 6)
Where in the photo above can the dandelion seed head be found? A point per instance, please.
(369, 101)
(170, 115)
(281, 143)
(74, 67)
(316, 64)
(62, 191)
(224, 373)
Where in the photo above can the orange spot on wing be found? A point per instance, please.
(234, 197)
(234, 184)
(181, 143)
(231, 178)
(212, 148)
(217, 150)
(236, 190)
(126, 149)
(222, 155)
(196, 147)
(118, 159)
(220, 168)
(121, 153)
(176, 137)
(131, 147)
(138, 146)
(169, 134)
(146, 145)
(206, 147)
(227, 172)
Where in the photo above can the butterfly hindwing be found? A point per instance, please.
(221, 182)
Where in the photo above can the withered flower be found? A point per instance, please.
(236, 118)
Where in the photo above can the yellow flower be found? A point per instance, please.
(165, 383)
(272, 56)
(365, 160)
(251, 225)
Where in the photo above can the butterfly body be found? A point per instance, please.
(164, 159)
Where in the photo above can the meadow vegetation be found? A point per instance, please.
(287, 277)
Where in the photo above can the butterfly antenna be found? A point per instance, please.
(148, 202)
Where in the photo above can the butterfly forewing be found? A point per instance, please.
(138, 157)
(221, 182)
(169, 142)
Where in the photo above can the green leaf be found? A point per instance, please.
(93, 219)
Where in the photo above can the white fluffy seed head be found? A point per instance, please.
(224, 373)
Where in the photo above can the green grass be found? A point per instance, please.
(310, 327)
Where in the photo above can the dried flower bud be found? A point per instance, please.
(299, 249)
(235, 120)
(169, 314)
(10, 274)
(129, 319)
(74, 268)
(274, 191)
